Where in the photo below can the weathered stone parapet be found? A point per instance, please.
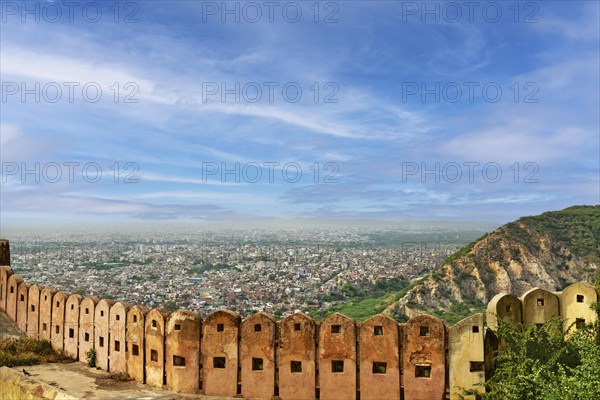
(424, 358)
(11, 295)
(296, 357)
(136, 343)
(466, 359)
(155, 346)
(102, 333)
(45, 325)
(539, 306)
(337, 357)
(257, 356)
(5, 273)
(71, 331)
(33, 311)
(22, 301)
(117, 334)
(87, 309)
(183, 352)
(379, 356)
(220, 338)
(58, 321)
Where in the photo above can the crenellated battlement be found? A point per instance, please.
(294, 358)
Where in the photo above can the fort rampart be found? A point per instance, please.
(294, 358)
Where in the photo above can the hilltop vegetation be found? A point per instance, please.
(362, 304)
(551, 251)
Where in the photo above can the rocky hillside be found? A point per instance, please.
(550, 251)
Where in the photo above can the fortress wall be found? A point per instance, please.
(292, 358)
(424, 358)
(379, 356)
(397, 360)
(135, 342)
(539, 306)
(296, 357)
(575, 302)
(11, 296)
(45, 324)
(57, 327)
(33, 311)
(101, 333)
(506, 307)
(87, 309)
(5, 273)
(337, 357)
(71, 330)
(257, 356)
(117, 335)
(220, 335)
(155, 347)
(466, 361)
(22, 301)
(183, 352)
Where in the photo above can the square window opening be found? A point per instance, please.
(475, 329)
(22, 297)
(178, 361)
(423, 371)
(476, 366)
(424, 330)
(336, 329)
(378, 330)
(257, 328)
(219, 362)
(296, 327)
(117, 345)
(257, 364)
(86, 337)
(379, 367)
(32, 307)
(44, 327)
(154, 324)
(177, 327)
(57, 329)
(580, 298)
(71, 333)
(135, 349)
(540, 302)
(296, 366)
(118, 317)
(220, 327)
(153, 355)
(337, 366)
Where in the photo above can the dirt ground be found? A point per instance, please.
(82, 382)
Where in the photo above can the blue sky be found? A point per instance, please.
(397, 98)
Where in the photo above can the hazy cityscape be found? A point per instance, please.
(277, 271)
